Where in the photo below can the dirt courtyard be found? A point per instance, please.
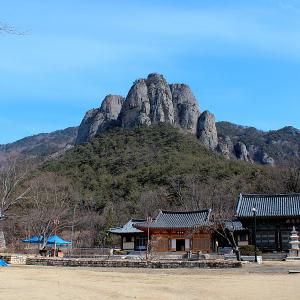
(270, 281)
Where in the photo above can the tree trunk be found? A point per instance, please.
(2, 239)
(237, 253)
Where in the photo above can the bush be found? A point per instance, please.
(120, 252)
(249, 250)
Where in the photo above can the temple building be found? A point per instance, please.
(180, 231)
(176, 231)
(169, 232)
(132, 239)
(275, 217)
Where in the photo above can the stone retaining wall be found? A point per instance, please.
(14, 259)
(64, 262)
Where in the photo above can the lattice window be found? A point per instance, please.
(265, 239)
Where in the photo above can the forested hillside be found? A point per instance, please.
(156, 166)
(134, 172)
(282, 144)
(40, 145)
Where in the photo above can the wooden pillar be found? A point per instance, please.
(173, 244)
(187, 244)
(121, 242)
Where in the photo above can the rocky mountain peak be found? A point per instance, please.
(290, 130)
(185, 106)
(153, 100)
(149, 101)
(155, 77)
(111, 106)
(207, 131)
(100, 120)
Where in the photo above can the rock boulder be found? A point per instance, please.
(100, 120)
(149, 101)
(241, 152)
(207, 131)
(225, 147)
(185, 107)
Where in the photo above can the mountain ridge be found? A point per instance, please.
(282, 144)
(158, 164)
(42, 144)
(153, 100)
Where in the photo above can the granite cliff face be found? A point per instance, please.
(241, 152)
(152, 101)
(186, 107)
(207, 131)
(100, 120)
(149, 101)
(225, 147)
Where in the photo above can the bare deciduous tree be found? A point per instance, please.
(190, 194)
(291, 173)
(150, 202)
(50, 209)
(9, 29)
(225, 229)
(13, 188)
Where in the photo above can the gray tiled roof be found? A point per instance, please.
(128, 227)
(234, 225)
(171, 219)
(283, 205)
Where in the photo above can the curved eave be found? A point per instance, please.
(268, 217)
(172, 228)
(123, 232)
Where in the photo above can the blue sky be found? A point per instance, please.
(241, 58)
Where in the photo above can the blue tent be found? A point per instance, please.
(55, 239)
(3, 263)
(34, 240)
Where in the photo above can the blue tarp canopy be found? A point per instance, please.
(3, 263)
(34, 240)
(55, 239)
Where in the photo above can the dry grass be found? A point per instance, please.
(26, 282)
